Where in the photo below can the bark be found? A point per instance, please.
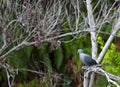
(93, 39)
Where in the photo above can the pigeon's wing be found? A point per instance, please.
(88, 60)
(92, 62)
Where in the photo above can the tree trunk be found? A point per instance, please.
(93, 39)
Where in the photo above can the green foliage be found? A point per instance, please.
(42, 56)
(118, 34)
(111, 60)
(33, 83)
(101, 42)
(102, 82)
(47, 82)
(28, 56)
(74, 48)
(58, 57)
(20, 59)
(70, 49)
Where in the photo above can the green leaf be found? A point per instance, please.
(58, 57)
(48, 64)
(112, 60)
(118, 34)
(100, 41)
(44, 54)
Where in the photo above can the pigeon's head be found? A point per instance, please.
(80, 51)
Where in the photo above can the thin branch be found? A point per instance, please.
(19, 46)
(25, 43)
(103, 21)
(111, 81)
(4, 35)
(108, 43)
(10, 74)
(77, 15)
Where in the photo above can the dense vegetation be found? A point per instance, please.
(52, 61)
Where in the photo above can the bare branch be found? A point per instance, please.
(100, 71)
(92, 27)
(108, 43)
(106, 16)
(19, 46)
(10, 74)
(93, 38)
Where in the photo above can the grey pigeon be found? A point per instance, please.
(86, 59)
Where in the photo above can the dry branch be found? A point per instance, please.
(109, 41)
(109, 77)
